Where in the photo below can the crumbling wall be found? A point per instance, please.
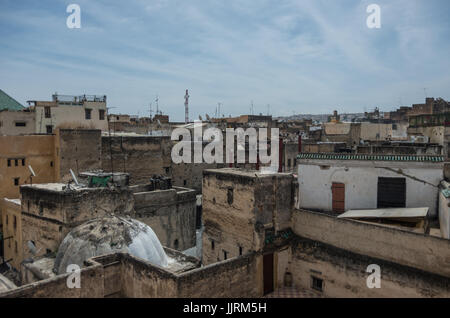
(424, 252)
(79, 150)
(140, 156)
(344, 274)
(170, 213)
(232, 278)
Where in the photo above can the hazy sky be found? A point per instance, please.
(298, 56)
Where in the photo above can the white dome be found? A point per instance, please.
(109, 235)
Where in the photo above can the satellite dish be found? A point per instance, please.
(32, 171)
(200, 117)
(74, 177)
(159, 123)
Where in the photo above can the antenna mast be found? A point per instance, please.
(186, 107)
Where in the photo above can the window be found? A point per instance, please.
(16, 162)
(391, 193)
(16, 181)
(240, 250)
(87, 113)
(49, 129)
(225, 255)
(23, 162)
(21, 124)
(15, 222)
(184, 182)
(230, 196)
(175, 244)
(212, 242)
(48, 112)
(15, 247)
(289, 163)
(7, 219)
(101, 114)
(51, 163)
(316, 283)
(9, 162)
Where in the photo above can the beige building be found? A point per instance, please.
(86, 111)
(13, 123)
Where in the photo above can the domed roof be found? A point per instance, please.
(107, 235)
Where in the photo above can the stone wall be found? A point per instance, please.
(344, 274)
(238, 206)
(423, 252)
(170, 213)
(140, 156)
(79, 150)
(48, 215)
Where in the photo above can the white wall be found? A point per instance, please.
(444, 212)
(361, 183)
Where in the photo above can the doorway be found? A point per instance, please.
(338, 197)
(268, 273)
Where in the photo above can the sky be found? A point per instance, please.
(284, 56)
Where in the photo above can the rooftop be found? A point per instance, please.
(9, 103)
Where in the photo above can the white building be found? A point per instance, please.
(342, 182)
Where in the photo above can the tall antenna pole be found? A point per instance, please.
(186, 107)
(157, 105)
(218, 111)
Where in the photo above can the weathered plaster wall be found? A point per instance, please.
(140, 156)
(170, 213)
(79, 150)
(424, 252)
(361, 182)
(344, 274)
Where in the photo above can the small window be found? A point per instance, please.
(101, 114)
(212, 242)
(317, 283)
(240, 250)
(16, 162)
(9, 162)
(225, 255)
(48, 251)
(289, 163)
(48, 112)
(16, 181)
(23, 162)
(51, 163)
(87, 113)
(15, 247)
(7, 219)
(49, 129)
(21, 124)
(230, 196)
(184, 182)
(175, 244)
(15, 222)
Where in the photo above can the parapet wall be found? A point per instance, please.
(424, 252)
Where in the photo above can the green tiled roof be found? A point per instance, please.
(9, 103)
(345, 156)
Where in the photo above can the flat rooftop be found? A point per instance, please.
(247, 172)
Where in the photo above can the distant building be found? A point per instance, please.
(14, 118)
(70, 112)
